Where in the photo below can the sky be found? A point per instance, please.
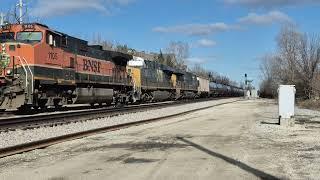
(226, 36)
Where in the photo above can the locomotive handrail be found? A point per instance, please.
(25, 63)
(32, 85)
(25, 70)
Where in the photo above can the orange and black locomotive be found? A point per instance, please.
(41, 67)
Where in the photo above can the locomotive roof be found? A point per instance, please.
(38, 24)
(118, 57)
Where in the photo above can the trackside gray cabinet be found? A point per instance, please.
(286, 101)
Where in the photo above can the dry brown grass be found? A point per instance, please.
(309, 104)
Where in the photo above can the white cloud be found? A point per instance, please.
(47, 8)
(201, 59)
(205, 43)
(195, 29)
(266, 19)
(196, 60)
(271, 3)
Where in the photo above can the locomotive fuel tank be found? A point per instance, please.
(189, 95)
(94, 95)
(161, 95)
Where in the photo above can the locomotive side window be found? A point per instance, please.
(29, 36)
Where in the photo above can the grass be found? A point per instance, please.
(309, 104)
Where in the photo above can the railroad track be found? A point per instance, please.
(52, 141)
(60, 118)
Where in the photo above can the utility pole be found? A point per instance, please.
(20, 6)
(1, 19)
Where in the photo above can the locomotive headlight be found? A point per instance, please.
(3, 47)
(9, 72)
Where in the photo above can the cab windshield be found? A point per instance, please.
(6, 36)
(29, 36)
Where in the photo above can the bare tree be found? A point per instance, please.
(302, 54)
(98, 40)
(181, 52)
(296, 62)
(272, 74)
(166, 59)
(199, 70)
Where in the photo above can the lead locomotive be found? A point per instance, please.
(41, 67)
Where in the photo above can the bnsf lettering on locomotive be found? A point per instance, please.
(89, 65)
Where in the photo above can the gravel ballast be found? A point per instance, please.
(17, 137)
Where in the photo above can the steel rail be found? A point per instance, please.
(56, 140)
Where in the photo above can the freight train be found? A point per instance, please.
(41, 67)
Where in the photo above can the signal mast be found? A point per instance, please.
(248, 87)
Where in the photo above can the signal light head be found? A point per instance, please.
(9, 71)
(3, 46)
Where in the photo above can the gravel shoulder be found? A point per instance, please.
(233, 141)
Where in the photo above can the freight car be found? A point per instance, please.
(204, 87)
(222, 90)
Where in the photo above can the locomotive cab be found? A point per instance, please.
(23, 48)
(17, 53)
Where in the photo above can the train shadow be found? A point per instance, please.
(258, 173)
